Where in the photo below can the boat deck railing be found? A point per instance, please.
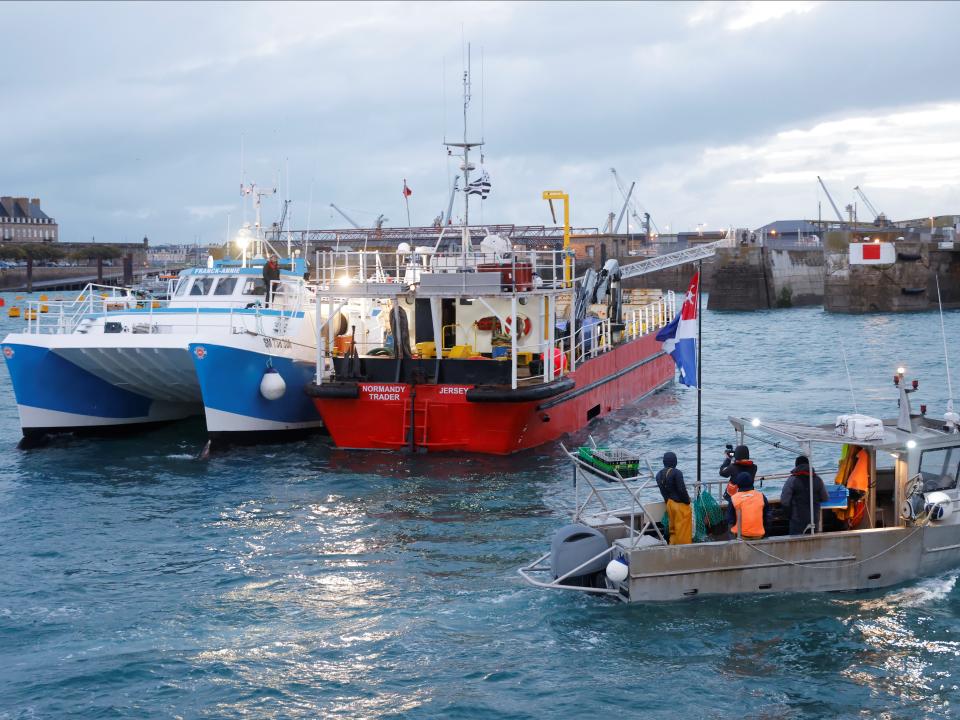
(520, 271)
(66, 316)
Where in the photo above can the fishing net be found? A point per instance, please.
(706, 515)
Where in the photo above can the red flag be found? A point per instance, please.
(407, 192)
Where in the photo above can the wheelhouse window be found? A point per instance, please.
(201, 285)
(939, 468)
(182, 287)
(253, 286)
(225, 286)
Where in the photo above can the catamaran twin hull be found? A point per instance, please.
(462, 413)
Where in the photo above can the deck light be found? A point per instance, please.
(755, 422)
(911, 444)
(901, 370)
(343, 281)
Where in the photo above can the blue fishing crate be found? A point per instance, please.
(838, 495)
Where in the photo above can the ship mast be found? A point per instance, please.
(466, 146)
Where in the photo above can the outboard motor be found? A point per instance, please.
(574, 545)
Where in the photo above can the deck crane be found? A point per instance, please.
(832, 203)
(870, 207)
(345, 217)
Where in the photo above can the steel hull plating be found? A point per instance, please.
(440, 417)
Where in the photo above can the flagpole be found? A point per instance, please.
(699, 373)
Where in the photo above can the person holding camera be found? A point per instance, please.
(737, 460)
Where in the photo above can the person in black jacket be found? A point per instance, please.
(674, 492)
(735, 464)
(271, 273)
(795, 496)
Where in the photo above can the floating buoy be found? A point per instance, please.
(44, 308)
(272, 385)
(19, 297)
(14, 311)
(2, 302)
(43, 298)
(30, 315)
(617, 570)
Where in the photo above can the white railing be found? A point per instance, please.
(520, 270)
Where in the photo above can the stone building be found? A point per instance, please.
(22, 221)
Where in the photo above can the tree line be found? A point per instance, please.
(44, 252)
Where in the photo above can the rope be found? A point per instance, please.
(834, 567)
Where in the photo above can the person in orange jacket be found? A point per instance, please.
(747, 510)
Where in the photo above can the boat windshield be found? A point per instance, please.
(182, 286)
(225, 286)
(939, 468)
(253, 286)
(201, 285)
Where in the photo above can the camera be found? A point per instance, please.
(729, 451)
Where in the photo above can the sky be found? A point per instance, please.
(133, 120)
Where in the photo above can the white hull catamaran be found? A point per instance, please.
(905, 526)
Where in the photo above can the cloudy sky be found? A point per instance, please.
(128, 119)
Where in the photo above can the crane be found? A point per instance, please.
(345, 216)
(870, 207)
(832, 203)
(644, 219)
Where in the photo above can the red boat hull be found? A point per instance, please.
(443, 419)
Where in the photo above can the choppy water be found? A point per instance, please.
(302, 581)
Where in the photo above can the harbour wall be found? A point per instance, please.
(906, 285)
(758, 278)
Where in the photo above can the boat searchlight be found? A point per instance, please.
(755, 422)
(911, 444)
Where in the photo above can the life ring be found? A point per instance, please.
(527, 325)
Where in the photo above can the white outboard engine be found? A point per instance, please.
(574, 545)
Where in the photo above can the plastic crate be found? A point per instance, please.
(611, 460)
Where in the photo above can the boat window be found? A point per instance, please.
(253, 286)
(939, 468)
(225, 286)
(182, 286)
(201, 285)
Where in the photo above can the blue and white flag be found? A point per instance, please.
(679, 337)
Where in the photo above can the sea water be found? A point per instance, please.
(300, 581)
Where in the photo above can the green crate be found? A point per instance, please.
(611, 460)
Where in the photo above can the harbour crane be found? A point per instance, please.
(832, 203)
(346, 217)
(870, 207)
(643, 219)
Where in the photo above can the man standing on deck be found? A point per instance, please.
(735, 464)
(674, 492)
(795, 496)
(271, 272)
(747, 510)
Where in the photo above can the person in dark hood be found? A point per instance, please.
(748, 510)
(795, 496)
(735, 464)
(674, 492)
(271, 273)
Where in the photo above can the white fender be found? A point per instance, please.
(272, 385)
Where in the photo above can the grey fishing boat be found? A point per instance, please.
(903, 525)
